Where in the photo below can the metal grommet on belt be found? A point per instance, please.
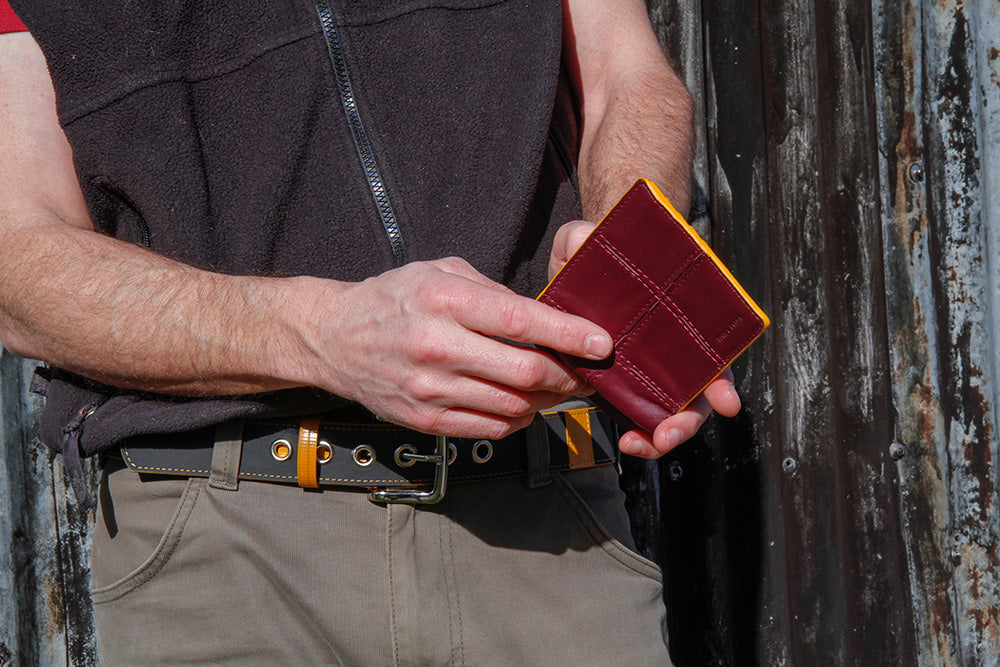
(401, 456)
(452, 453)
(482, 451)
(363, 455)
(324, 452)
(281, 450)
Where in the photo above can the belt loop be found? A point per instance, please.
(306, 463)
(226, 455)
(579, 438)
(537, 444)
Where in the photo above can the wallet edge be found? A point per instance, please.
(663, 201)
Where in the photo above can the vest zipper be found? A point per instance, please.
(365, 153)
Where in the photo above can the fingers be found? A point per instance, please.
(480, 305)
(472, 399)
(670, 432)
(525, 320)
(436, 351)
(567, 240)
(525, 369)
(720, 396)
(459, 267)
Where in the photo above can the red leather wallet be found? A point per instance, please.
(677, 316)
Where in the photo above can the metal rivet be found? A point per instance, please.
(400, 460)
(324, 452)
(916, 172)
(675, 470)
(482, 451)
(897, 451)
(363, 455)
(452, 453)
(789, 464)
(281, 450)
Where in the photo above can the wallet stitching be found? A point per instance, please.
(573, 261)
(646, 307)
(613, 214)
(662, 297)
(692, 331)
(612, 252)
(650, 284)
(670, 403)
(626, 362)
(716, 369)
(744, 306)
(641, 378)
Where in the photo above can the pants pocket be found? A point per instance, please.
(598, 504)
(140, 521)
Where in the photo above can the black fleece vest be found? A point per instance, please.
(225, 135)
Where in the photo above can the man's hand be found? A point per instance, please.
(417, 345)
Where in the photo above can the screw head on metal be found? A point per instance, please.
(916, 172)
(897, 451)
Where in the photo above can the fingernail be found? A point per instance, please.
(626, 446)
(597, 346)
(674, 437)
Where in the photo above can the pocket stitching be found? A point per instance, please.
(601, 537)
(161, 554)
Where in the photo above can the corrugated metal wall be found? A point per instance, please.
(850, 165)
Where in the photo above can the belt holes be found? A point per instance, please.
(324, 452)
(281, 450)
(482, 451)
(363, 455)
(400, 451)
(452, 453)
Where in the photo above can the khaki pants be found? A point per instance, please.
(496, 574)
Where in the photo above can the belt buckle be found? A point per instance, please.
(440, 460)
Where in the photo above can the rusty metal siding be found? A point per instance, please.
(848, 516)
(938, 137)
(45, 612)
(849, 171)
(785, 490)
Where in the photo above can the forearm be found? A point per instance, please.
(636, 112)
(104, 308)
(644, 131)
(126, 316)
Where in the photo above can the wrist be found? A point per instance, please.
(294, 351)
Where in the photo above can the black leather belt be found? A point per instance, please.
(378, 454)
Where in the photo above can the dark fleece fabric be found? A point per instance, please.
(213, 132)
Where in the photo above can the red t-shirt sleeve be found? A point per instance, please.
(8, 19)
